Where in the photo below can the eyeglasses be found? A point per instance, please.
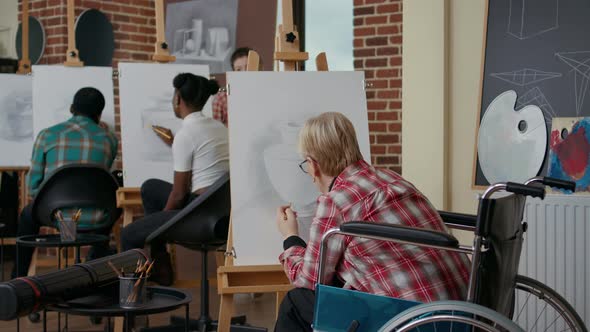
(304, 166)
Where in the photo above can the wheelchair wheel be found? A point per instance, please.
(540, 308)
(450, 316)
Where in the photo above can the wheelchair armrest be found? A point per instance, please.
(458, 220)
(402, 233)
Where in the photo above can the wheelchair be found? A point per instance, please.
(497, 297)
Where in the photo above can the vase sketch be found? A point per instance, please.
(294, 187)
(16, 116)
(161, 114)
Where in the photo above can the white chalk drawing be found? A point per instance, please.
(535, 97)
(578, 61)
(531, 18)
(526, 76)
(16, 119)
(203, 32)
(281, 162)
(160, 114)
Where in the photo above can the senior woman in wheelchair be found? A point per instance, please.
(353, 190)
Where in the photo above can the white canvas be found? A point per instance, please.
(145, 95)
(266, 112)
(54, 88)
(16, 120)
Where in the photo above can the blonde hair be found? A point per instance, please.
(330, 140)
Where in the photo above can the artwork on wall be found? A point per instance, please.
(539, 49)
(52, 100)
(16, 120)
(569, 152)
(511, 144)
(264, 161)
(202, 32)
(146, 92)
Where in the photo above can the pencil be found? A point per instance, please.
(159, 131)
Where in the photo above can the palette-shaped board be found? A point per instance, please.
(569, 152)
(146, 92)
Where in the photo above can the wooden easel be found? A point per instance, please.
(233, 279)
(161, 53)
(72, 55)
(129, 198)
(24, 64)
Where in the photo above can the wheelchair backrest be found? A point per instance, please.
(499, 265)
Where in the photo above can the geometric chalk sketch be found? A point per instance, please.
(530, 18)
(535, 97)
(525, 76)
(578, 61)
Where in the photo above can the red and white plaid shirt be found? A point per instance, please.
(220, 107)
(363, 193)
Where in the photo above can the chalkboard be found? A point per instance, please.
(541, 50)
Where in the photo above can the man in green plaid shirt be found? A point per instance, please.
(82, 139)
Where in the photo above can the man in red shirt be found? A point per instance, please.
(353, 190)
(239, 62)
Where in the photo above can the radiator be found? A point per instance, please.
(556, 253)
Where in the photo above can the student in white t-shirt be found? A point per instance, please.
(200, 155)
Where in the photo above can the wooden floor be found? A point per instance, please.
(259, 311)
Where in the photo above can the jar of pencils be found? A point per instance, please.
(132, 286)
(132, 290)
(67, 226)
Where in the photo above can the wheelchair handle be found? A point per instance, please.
(523, 189)
(554, 183)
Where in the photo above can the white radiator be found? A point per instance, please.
(556, 252)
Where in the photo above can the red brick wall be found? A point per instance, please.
(133, 23)
(378, 51)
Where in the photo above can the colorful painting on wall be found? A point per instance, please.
(569, 152)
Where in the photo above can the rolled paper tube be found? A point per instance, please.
(21, 296)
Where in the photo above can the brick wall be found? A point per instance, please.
(133, 23)
(378, 51)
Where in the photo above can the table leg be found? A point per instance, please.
(2, 256)
(77, 260)
(58, 268)
(109, 324)
(128, 318)
(186, 319)
(44, 320)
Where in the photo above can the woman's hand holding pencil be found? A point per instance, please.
(164, 134)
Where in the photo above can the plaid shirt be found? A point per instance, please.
(363, 193)
(220, 107)
(76, 141)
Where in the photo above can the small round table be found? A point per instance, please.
(2, 226)
(54, 241)
(159, 300)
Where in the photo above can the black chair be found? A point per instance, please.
(203, 226)
(77, 185)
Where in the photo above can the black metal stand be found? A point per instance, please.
(204, 323)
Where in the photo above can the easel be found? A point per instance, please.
(72, 55)
(24, 68)
(233, 279)
(129, 198)
(72, 60)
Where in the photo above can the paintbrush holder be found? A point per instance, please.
(132, 291)
(67, 230)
